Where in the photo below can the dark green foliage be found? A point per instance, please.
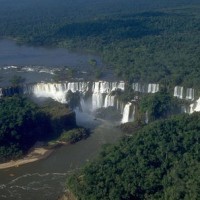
(75, 135)
(161, 161)
(64, 74)
(61, 117)
(13, 90)
(22, 123)
(132, 127)
(159, 105)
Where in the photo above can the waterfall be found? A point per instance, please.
(107, 87)
(97, 101)
(146, 117)
(195, 107)
(132, 119)
(120, 85)
(126, 113)
(153, 88)
(54, 91)
(178, 92)
(94, 95)
(184, 109)
(189, 94)
(120, 106)
(136, 87)
(1, 92)
(74, 86)
(82, 87)
(98, 89)
(145, 88)
(101, 93)
(109, 101)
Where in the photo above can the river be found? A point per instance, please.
(45, 179)
(13, 54)
(30, 58)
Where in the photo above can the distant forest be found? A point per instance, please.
(154, 41)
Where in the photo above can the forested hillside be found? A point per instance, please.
(160, 161)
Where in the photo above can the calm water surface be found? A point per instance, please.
(13, 54)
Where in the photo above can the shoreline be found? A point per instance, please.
(35, 154)
(68, 195)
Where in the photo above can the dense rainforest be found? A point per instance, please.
(159, 161)
(154, 41)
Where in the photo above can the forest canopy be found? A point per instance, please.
(22, 123)
(152, 41)
(160, 161)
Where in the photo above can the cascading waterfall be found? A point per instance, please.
(145, 88)
(126, 113)
(82, 87)
(195, 107)
(132, 119)
(100, 94)
(138, 87)
(97, 101)
(178, 92)
(109, 101)
(120, 106)
(153, 88)
(189, 94)
(54, 91)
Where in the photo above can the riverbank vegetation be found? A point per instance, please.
(160, 161)
(23, 123)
